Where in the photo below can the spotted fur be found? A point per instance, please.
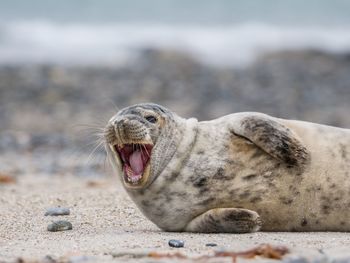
(240, 172)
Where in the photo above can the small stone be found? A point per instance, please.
(57, 211)
(210, 245)
(48, 259)
(176, 243)
(60, 225)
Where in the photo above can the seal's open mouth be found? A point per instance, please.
(135, 158)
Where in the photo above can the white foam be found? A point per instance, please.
(46, 42)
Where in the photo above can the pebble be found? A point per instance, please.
(48, 259)
(57, 211)
(210, 245)
(60, 225)
(176, 243)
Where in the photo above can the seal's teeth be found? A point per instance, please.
(131, 176)
(128, 171)
(135, 179)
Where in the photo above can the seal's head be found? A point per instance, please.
(140, 142)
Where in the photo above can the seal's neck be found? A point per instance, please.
(174, 140)
(190, 128)
(185, 141)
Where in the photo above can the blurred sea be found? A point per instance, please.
(221, 32)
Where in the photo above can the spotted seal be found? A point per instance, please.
(239, 173)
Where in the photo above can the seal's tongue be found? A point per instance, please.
(136, 162)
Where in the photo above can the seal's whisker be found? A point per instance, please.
(99, 135)
(96, 141)
(105, 161)
(90, 133)
(88, 129)
(144, 147)
(112, 102)
(142, 152)
(94, 150)
(140, 147)
(94, 126)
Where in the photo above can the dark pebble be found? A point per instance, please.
(57, 211)
(176, 243)
(48, 259)
(211, 245)
(61, 225)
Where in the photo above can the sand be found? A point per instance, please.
(106, 222)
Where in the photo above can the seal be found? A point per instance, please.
(240, 173)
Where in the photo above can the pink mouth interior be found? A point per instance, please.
(134, 158)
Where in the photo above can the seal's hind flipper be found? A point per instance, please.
(225, 220)
(272, 137)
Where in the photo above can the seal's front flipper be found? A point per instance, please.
(225, 220)
(272, 137)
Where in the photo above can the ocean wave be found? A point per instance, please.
(46, 42)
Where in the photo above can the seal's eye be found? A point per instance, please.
(151, 119)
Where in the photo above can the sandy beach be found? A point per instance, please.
(107, 227)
